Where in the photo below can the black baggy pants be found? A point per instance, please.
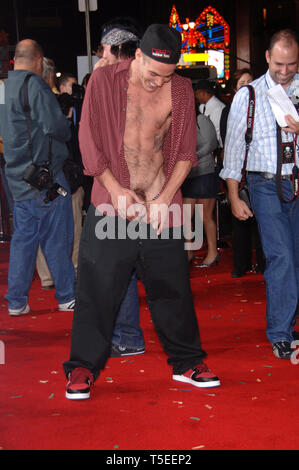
(104, 271)
(244, 233)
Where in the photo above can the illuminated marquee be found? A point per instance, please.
(204, 40)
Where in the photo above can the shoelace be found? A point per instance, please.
(201, 368)
(80, 376)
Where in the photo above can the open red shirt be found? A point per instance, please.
(103, 122)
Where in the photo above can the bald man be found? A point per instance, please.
(42, 215)
(272, 175)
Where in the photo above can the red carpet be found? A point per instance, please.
(135, 404)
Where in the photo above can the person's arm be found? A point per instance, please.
(94, 160)
(178, 176)
(238, 207)
(46, 110)
(234, 153)
(121, 197)
(159, 207)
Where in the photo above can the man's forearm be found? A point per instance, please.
(178, 176)
(239, 209)
(108, 181)
(232, 186)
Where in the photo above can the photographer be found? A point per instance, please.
(35, 148)
(71, 100)
(76, 181)
(272, 179)
(68, 85)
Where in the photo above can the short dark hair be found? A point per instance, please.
(287, 35)
(86, 79)
(205, 85)
(127, 49)
(64, 77)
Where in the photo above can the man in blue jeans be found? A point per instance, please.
(42, 216)
(277, 216)
(127, 338)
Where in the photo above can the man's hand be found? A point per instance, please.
(157, 212)
(240, 209)
(293, 126)
(127, 203)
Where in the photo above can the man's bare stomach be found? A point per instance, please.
(146, 173)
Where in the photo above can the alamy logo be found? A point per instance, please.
(2, 352)
(295, 354)
(138, 222)
(2, 93)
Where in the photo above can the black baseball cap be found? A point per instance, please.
(162, 43)
(205, 85)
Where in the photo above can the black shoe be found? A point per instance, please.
(238, 273)
(120, 351)
(256, 268)
(282, 349)
(209, 265)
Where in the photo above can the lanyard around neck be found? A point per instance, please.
(295, 170)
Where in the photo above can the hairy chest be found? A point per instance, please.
(148, 112)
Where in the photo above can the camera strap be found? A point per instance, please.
(295, 171)
(249, 131)
(26, 108)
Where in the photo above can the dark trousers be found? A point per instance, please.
(245, 234)
(104, 271)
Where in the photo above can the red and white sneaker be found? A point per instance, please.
(199, 376)
(78, 386)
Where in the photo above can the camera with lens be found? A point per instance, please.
(40, 177)
(78, 93)
(77, 96)
(75, 100)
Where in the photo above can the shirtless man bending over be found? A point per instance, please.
(138, 138)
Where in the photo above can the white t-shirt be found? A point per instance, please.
(213, 109)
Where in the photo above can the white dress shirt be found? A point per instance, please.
(262, 155)
(213, 109)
